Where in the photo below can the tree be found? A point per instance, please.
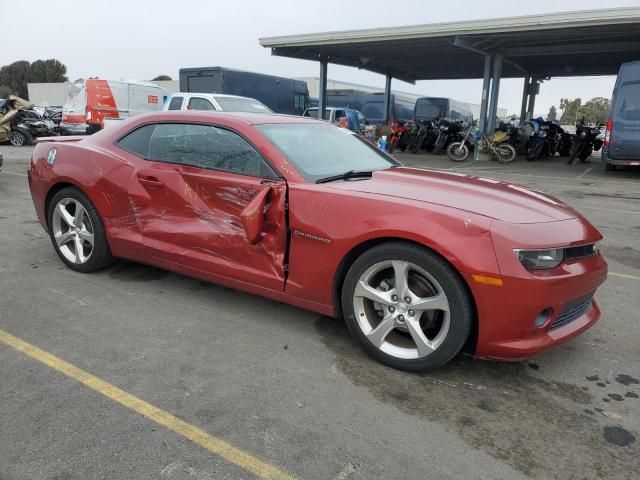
(16, 75)
(570, 110)
(161, 78)
(45, 71)
(552, 115)
(595, 110)
(5, 91)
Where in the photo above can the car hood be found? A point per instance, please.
(492, 198)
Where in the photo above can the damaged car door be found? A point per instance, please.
(205, 199)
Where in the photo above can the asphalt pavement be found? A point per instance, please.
(287, 388)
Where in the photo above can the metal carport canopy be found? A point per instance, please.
(580, 43)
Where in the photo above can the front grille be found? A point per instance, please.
(572, 311)
(574, 253)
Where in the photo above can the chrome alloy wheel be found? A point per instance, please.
(401, 309)
(73, 231)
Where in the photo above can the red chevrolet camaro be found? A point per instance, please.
(420, 263)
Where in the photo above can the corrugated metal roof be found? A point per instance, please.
(568, 43)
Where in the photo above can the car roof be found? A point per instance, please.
(229, 117)
(209, 95)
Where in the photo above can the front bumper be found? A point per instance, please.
(507, 313)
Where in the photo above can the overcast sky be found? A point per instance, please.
(138, 39)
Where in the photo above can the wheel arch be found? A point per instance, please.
(359, 249)
(55, 188)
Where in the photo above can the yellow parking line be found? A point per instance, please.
(196, 435)
(624, 275)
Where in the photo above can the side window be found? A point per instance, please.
(206, 146)
(197, 103)
(299, 102)
(362, 120)
(137, 142)
(175, 103)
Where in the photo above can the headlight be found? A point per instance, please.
(444, 128)
(583, 134)
(543, 133)
(540, 259)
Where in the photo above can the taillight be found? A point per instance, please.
(607, 132)
(88, 113)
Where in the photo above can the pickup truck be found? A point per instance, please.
(346, 117)
(214, 102)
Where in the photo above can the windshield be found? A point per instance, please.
(427, 109)
(238, 104)
(323, 150)
(76, 97)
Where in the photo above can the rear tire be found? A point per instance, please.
(94, 256)
(506, 153)
(424, 338)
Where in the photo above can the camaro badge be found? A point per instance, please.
(311, 236)
(52, 156)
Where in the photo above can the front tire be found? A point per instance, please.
(20, 137)
(457, 151)
(77, 231)
(407, 306)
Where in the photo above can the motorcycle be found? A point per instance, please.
(423, 136)
(544, 141)
(20, 123)
(399, 138)
(498, 145)
(565, 145)
(585, 142)
(448, 132)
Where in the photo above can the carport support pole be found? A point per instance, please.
(387, 99)
(322, 91)
(495, 91)
(525, 97)
(532, 97)
(485, 93)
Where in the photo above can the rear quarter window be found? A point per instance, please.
(627, 105)
(137, 142)
(175, 103)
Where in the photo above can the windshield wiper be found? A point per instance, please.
(346, 176)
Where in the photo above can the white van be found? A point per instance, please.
(89, 105)
(215, 102)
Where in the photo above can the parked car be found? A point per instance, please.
(88, 105)
(419, 263)
(214, 102)
(20, 123)
(622, 135)
(345, 117)
(282, 95)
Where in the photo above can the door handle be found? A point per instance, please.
(150, 181)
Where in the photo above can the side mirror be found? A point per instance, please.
(253, 215)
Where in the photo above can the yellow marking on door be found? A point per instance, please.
(215, 445)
